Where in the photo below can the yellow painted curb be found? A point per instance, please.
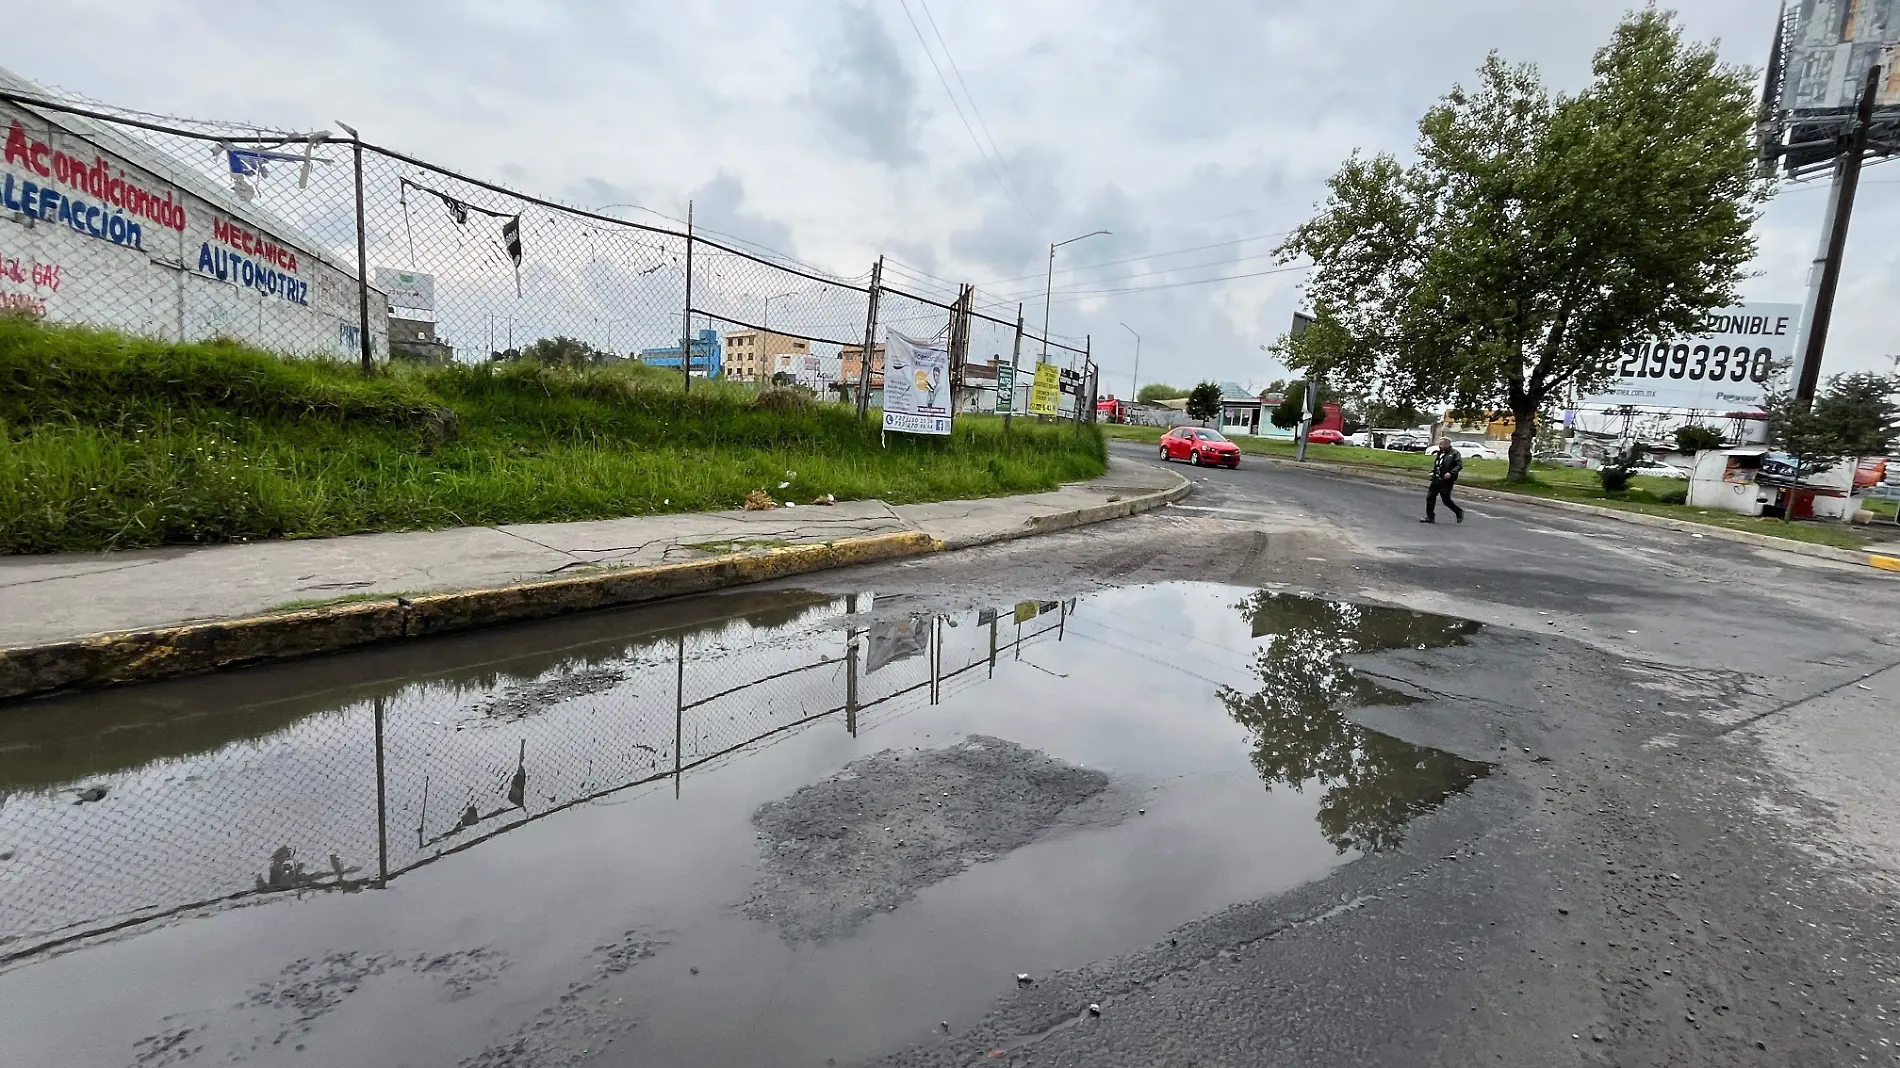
(110, 659)
(1884, 563)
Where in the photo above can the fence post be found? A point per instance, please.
(382, 805)
(686, 322)
(959, 344)
(1015, 367)
(362, 257)
(679, 710)
(1082, 387)
(870, 336)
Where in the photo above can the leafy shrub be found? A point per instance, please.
(1693, 439)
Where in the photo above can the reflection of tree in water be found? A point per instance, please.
(1374, 783)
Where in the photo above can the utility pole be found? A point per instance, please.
(1826, 277)
(870, 335)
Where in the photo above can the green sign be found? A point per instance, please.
(1005, 387)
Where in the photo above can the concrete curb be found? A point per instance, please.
(1080, 517)
(142, 656)
(1760, 541)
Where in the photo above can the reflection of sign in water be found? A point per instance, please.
(1045, 396)
(1722, 369)
(407, 289)
(916, 386)
(896, 640)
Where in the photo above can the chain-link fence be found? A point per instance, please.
(345, 795)
(319, 243)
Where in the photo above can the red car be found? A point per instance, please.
(1324, 436)
(1199, 445)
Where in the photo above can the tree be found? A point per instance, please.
(1856, 416)
(1286, 414)
(1693, 438)
(562, 351)
(1156, 392)
(1203, 402)
(1536, 236)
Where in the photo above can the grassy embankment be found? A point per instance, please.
(110, 442)
(1651, 496)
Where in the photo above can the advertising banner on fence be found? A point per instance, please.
(1006, 387)
(1723, 369)
(1045, 395)
(916, 386)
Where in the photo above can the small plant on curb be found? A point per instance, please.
(1616, 471)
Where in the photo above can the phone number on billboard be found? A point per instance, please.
(1697, 363)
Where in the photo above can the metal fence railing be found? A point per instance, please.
(352, 795)
(322, 243)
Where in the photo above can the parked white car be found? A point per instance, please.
(1653, 469)
(1361, 440)
(1473, 450)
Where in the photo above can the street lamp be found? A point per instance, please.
(768, 307)
(1134, 382)
(1048, 287)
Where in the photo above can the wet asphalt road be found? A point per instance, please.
(1674, 865)
(1644, 815)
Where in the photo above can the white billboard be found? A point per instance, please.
(1834, 44)
(407, 289)
(916, 386)
(1723, 369)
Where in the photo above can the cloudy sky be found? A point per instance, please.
(1197, 133)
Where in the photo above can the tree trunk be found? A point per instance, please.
(1523, 436)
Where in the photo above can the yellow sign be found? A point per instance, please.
(1045, 395)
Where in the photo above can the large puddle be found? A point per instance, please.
(764, 829)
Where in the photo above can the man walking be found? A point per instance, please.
(1446, 467)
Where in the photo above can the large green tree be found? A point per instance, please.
(1156, 392)
(1203, 401)
(1536, 234)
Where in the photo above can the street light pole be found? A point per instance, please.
(1048, 288)
(767, 324)
(1134, 382)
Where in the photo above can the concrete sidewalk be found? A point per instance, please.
(49, 600)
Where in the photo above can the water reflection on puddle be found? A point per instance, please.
(569, 807)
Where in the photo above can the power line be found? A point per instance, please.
(974, 110)
(1146, 256)
(967, 128)
(1071, 286)
(1176, 285)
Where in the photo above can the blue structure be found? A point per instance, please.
(708, 356)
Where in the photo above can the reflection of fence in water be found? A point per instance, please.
(355, 796)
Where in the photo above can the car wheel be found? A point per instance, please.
(1164, 454)
(1194, 458)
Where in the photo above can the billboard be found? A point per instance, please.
(1831, 47)
(916, 386)
(407, 289)
(1722, 369)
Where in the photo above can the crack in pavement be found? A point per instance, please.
(80, 575)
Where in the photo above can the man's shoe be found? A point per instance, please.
(1461, 517)
(1428, 520)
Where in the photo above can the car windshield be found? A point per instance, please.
(1208, 435)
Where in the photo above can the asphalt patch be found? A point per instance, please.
(885, 827)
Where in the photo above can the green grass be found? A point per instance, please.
(331, 602)
(737, 545)
(1575, 484)
(111, 442)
